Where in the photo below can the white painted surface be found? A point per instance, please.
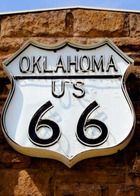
(115, 110)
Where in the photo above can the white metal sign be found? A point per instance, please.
(68, 102)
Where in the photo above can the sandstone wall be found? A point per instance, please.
(115, 175)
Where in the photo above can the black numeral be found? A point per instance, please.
(84, 123)
(36, 123)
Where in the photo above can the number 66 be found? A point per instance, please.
(83, 123)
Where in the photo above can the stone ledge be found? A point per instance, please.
(94, 24)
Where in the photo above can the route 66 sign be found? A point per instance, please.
(68, 102)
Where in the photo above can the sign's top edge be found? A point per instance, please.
(64, 43)
(70, 7)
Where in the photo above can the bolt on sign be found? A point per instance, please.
(67, 101)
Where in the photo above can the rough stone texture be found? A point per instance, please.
(25, 182)
(34, 24)
(77, 189)
(100, 23)
(78, 23)
(128, 191)
(124, 190)
(135, 25)
(114, 175)
(11, 159)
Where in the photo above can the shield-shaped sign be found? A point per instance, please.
(68, 102)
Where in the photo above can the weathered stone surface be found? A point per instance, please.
(25, 182)
(91, 176)
(124, 190)
(136, 71)
(133, 85)
(34, 24)
(48, 164)
(78, 189)
(136, 165)
(2, 73)
(116, 160)
(11, 158)
(10, 45)
(65, 23)
(136, 105)
(127, 44)
(135, 25)
(135, 56)
(128, 191)
(100, 24)
(132, 179)
(8, 179)
(133, 162)
(3, 92)
(26, 185)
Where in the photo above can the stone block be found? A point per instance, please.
(88, 23)
(13, 159)
(79, 23)
(25, 182)
(78, 189)
(105, 162)
(135, 25)
(127, 190)
(90, 176)
(50, 23)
